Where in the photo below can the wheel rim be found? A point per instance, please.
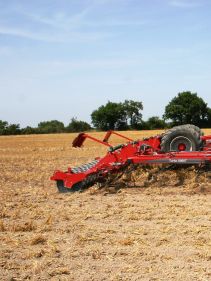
(182, 147)
(181, 143)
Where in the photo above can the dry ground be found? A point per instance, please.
(160, 232)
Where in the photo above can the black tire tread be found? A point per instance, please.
(183, 130)
(193, 127)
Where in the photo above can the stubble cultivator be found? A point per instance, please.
(182, 145)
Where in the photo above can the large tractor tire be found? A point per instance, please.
(193, 127)
(181, 138)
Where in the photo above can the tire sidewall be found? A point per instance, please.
(173, 134)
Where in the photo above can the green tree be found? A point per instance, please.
(53, 126)
(155, 122)
(3, 127)
(133, 112)
(9, 129)
(13, 129)
(77, 126)
(186, 108)
(119, 116)
(29, 130)
(109, 117)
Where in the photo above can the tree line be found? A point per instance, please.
(45, 127)
(185, 108)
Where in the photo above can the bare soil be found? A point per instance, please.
(153, 231)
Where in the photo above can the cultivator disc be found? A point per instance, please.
(61, 188)
(189, 177)
(85, 167)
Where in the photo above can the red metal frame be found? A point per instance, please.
(109, 133)
(141, 152)
(80, 139)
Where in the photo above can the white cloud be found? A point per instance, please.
(63, 26)
(59, 19)
(55, 36)
(97, 63)
(79, 20)
(5, 51)
(185, 3)
(23, 33)
(59, 27)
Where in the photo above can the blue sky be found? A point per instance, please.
(64, 58)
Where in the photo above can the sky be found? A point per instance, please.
(64, 58)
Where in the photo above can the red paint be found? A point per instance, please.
(142, 152)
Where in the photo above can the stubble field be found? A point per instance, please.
(156, 232)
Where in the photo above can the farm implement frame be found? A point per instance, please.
(182, 145)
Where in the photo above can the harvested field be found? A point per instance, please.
(158, 231)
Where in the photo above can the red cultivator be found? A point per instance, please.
(182, 145)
